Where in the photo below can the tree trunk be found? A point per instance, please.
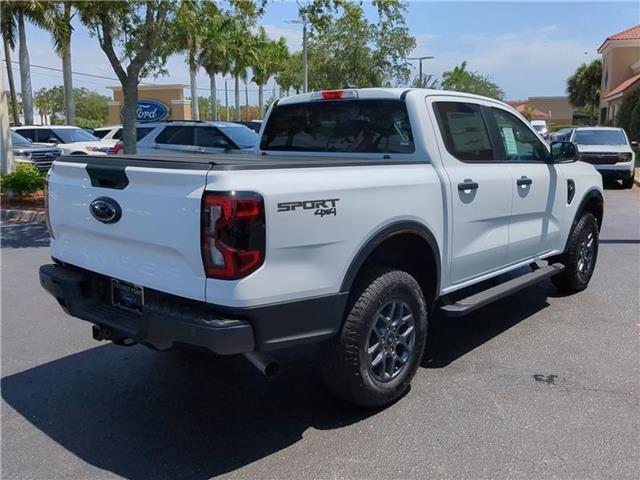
(12, 85)
(260, 100)
(25, 72)
(237, 92)
(129, 138)
(226, 100)
(195, 108)
(246, 99)
(69, 103)
(214, 96)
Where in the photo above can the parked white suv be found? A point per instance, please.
(609, 150)
(71, 140)
(363, 212)
(183, 136)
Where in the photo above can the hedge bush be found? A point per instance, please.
(25, 180)
(629, 115)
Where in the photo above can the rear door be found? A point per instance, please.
(480, 189)
(173, 138)
(536, 189)
(155, 242)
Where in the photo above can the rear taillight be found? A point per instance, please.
(117, 148)
(232, 234)
(46, 207)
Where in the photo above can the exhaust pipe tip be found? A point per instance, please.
(264, 363)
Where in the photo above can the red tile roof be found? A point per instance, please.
(623, 86)
(632, 33)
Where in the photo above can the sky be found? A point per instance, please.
(527, 48)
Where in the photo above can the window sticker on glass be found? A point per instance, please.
(509, 141)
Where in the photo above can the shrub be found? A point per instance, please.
(25, 180)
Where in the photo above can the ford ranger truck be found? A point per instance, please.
(358, 215)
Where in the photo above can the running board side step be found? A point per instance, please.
(467, 305)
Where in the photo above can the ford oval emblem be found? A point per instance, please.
(150, 111)
(105, 210)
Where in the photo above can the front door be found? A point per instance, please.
(480, 189)
(536, 189)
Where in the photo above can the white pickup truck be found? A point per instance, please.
(361, 213)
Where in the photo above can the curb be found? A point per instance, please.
(22, 216)
(636, 179)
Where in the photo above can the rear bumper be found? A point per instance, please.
(162, 324)
(168, 320)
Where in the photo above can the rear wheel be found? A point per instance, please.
(627, 182)
(581, 255)
(372, 361)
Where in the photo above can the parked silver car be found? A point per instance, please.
(40, 155)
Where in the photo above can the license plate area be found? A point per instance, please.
(127, 296)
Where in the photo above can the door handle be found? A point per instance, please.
(522, 181)
(468, 185)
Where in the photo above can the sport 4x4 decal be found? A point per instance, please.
(320, 207)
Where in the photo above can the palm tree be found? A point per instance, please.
(214, 56)
(58, 22)
(17, 13)
(188, 37)
(8, 27)
(268, 60)
(242, 52)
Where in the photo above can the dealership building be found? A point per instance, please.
(620, 71)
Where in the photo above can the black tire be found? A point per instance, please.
(348, 365)
(579, 263)
(628, 181)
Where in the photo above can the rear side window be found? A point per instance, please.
(341, 126)
(100, 133)
(175, 135)
(118, 134)
(464, 131)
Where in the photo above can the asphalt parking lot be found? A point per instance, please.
(537, 385)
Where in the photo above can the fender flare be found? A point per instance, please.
(385, 233)
(591, 193)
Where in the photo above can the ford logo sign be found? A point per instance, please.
(150, 111)
(105, 210)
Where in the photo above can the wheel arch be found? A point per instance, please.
(592, 202)
(418, 240)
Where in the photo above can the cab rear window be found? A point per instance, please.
(341, 126)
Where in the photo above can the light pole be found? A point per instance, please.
(305, 71)
(420, 59)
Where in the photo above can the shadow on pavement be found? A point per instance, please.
(142, 414)
(24, 235)
(451, 338)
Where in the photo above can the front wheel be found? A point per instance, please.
(627, 182)
(372, 361)
(580, 257)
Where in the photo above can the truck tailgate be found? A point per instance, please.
(156, 241)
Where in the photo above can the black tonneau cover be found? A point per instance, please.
(225, 161)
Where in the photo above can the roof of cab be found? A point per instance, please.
(385, 94)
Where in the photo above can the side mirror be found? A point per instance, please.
(563, 152)
(53, 140)
(634, 144)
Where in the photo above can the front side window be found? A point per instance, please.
(141, 132)
(340, 126)
(100, 133)
(518, 142)
(47, 136)
(210, 137)
(464, 131)
(176, 135)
